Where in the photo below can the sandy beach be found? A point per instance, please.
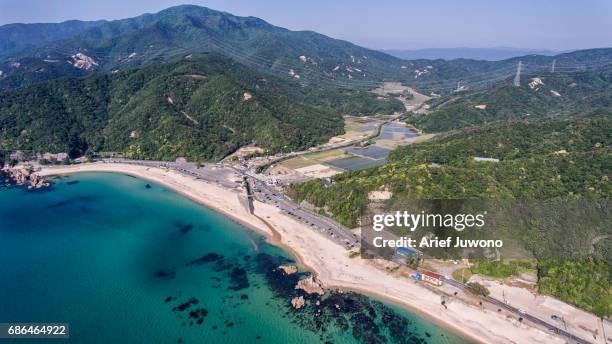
(329, 261)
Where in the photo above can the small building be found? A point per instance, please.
(408, 252)
(431, 277)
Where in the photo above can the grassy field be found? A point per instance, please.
(327, 156)
(314, 158)
(297, 162)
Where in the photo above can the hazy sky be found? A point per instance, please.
(400, 24)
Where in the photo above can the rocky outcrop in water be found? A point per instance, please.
(310, 285)
(38, 182)
(24, 176)
(298, 302)
(288, 269)
(366, 320)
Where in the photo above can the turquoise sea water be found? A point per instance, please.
(127, 261)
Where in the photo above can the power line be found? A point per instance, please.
(312, 74)
(517, 78)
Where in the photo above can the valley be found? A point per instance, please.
(367, 142)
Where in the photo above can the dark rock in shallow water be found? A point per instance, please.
(148, 186)
(166, 274)
(238, 279)
(282, 285)
(184, 228)
(367, 320)
(183, 306)
(207, 258)
(220, 266)
(198, 315)
(72, 182)
(81, 199)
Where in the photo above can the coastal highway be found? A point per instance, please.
(222, 175)
(535, 320)
(325, 226)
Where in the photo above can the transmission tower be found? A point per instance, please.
(517, 78)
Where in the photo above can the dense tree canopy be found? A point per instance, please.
(202, 108)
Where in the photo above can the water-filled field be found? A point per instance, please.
(355, 163)
(373, 151)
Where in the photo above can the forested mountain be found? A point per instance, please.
(543, 94)
(202, 108)
(181, 30)
(31, 53)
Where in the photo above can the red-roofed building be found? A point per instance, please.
(432, 277)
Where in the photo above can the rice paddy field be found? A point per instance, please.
(328, 163)
(373, 151)
(356, 163)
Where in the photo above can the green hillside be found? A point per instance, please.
(539, 95)
(539, 159)
(201, 108)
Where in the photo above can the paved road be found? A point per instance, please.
(327, 227)
(524, 315)
(221, 174)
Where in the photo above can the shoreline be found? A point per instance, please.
(328, 261)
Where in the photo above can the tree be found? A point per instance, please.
(478, 289)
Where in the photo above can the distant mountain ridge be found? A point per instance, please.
(31, 53)
(179, 31)
(484, 54)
